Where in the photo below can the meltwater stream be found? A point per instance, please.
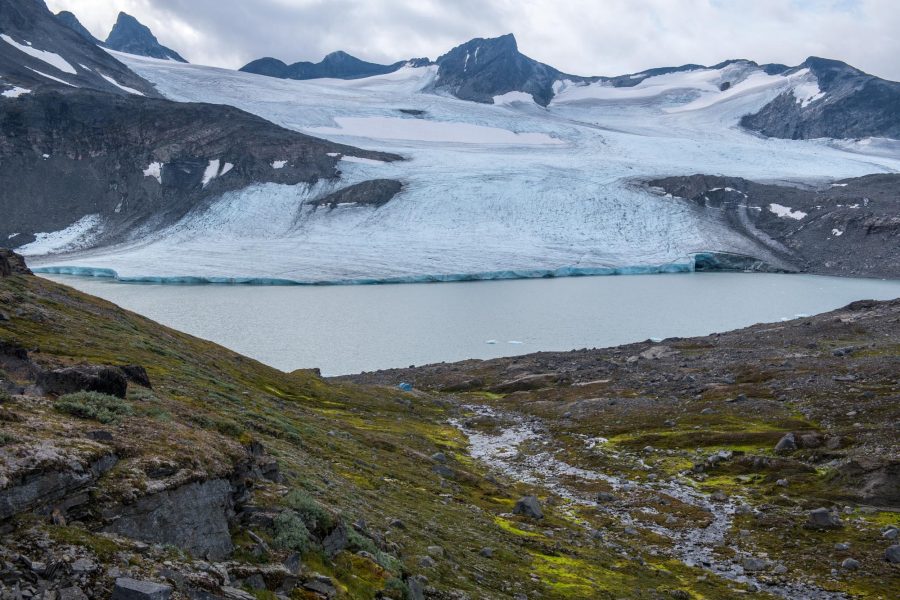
(505, 451)
(349, 329)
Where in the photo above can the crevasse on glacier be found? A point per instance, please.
(490, 191)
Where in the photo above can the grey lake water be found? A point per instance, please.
(349, 329)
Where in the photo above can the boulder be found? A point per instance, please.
(786, 445)
(336, 541)
(87, 378)
(526, 383)
(752, 564)
(822, 518)
(530, 507)
(892, 554)
(850, 564)
(133, 589)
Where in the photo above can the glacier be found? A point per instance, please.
(489, 191)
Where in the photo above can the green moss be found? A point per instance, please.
(94, 406)
(104, 548)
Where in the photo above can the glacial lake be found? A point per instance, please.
(349, 329)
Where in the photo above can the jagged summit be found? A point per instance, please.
(484, 68)
(71, 21)
(131, 36)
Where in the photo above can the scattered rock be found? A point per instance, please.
(719, 496)
(435, 551)
(892, 554)
(603, 497)
(752, 564)
(842, 547)
(530, 507)
(427, 562)
(487, 552)
(822, 518)
(850, 564)
(890, 533)
(439, 457)
(133, 589)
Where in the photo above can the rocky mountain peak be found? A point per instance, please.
(482, 69)
(131, 36)
(71, 21)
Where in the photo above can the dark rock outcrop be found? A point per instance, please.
(12, 264)
(88, 378)
(337, 65)
(193, 517)
(374, 193)
(131, 36)
(852, 104)
(848, 228)
(46, 486)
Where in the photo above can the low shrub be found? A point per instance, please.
(94, 405)
(314, 515)
(291, 533)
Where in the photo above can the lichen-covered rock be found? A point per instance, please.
(193, 517)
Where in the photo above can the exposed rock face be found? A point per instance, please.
(83, 64)
(481, 69)
(44, 486)
(129, 163)
(131, 36)
(12, 264)
(89, 378)
(337, 65)
(71, 21)
(848, 228)
(193, 517)
(852, 104)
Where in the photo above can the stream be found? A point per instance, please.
(695, 547)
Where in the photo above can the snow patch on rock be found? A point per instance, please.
(51, 58)
(155, 171)
(786, 212)
(124, 88)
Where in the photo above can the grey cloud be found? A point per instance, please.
(588, 37)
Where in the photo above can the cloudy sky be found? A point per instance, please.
(583, 37)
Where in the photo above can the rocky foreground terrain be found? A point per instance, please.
(137, 462)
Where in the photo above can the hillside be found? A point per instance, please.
(309, 488)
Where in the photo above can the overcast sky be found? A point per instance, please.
(582, 37)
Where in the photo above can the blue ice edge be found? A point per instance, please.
(675, 267)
